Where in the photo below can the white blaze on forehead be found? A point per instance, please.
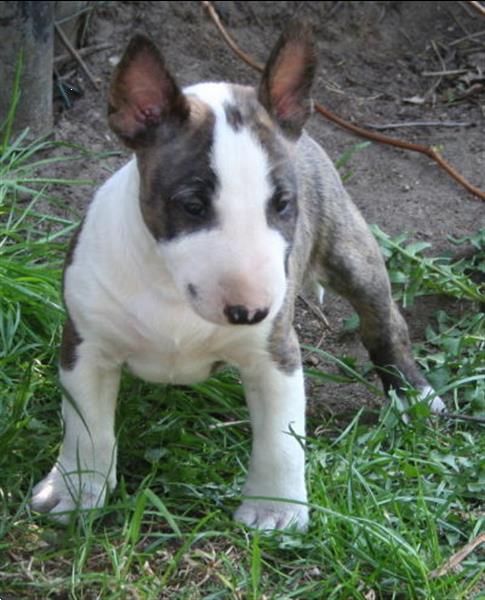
(213, 94)
(239, 162)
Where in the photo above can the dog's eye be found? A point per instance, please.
(280, 202)
(195, 207)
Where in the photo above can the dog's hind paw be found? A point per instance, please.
(62, 492)
(269, 516)
(436, 404)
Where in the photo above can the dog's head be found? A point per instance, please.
(218, 184)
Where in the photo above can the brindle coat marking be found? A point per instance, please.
(69, 343)
(70, 337)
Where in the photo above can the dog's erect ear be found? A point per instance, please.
(142, 94)
(287, 79)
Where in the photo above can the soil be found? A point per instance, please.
(373, 60)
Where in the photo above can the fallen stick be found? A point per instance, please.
(457, 558)
(418, 124)
(470, 36)
(477, 6)
(458, 417)
(316, 311)
(76, 55)
(377, 137)
(444, 73)
(83, 52)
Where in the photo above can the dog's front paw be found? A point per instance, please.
(63, 491)
(272, 515)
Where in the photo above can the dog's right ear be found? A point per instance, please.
(142, 94)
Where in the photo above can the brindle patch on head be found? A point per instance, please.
(234, 117)
(176, 174)
(70, 341)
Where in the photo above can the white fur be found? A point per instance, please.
(277, 468)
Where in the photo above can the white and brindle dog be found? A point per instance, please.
(193, 254)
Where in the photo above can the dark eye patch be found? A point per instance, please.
(178, 182)
(191, 208)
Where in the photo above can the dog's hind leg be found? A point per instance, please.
(353, 266)
(86, 466)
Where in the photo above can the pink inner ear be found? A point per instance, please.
(146, 106)
(286, 105)
(141, 92)
(144, 84)
(288, 80)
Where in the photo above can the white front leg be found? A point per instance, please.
(86, 466)
(276, 403)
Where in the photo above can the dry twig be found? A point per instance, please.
(316, 311)
(76, 55)
(431, 152)
(418, 124)
(445, 73)
(458, 417)
(65, 58)
(454, 561)
(477, 6)
(466, 38)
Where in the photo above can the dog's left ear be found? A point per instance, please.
(142, 94)
(285, 87)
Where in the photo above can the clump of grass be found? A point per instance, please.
(415, 274)
(32, 249)
(389, 502)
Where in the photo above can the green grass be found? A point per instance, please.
(390, 503)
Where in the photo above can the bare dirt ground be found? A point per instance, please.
(373, 59)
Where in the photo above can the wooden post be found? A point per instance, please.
(27, 27)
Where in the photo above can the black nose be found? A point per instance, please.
(239, 315)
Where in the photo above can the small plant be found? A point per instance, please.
(416, 275)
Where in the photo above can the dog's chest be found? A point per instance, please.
(170, 343)
(177, 367)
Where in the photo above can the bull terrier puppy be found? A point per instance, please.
(193, 253)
